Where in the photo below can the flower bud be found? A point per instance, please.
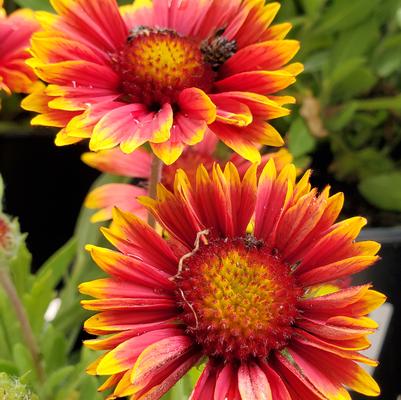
(12, 389)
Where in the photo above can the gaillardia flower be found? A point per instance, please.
(235, 283)
(15, 33)
(163, 72)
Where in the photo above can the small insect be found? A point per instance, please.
(218, 49)
(142, 30)
(251, 242)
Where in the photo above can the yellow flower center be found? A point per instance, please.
(238, 300)
(156, 65)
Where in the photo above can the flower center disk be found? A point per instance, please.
(157, 64)
(238, 300)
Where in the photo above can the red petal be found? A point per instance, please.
(253, 383)
(131, 269)
(112, 195)
(270, 55)
(262, 82)
(197, 105)
(125, 355)
(273, 197)
(108, 322)
(277, 385)
(114, 161)
(205, 386)
(134, 237)
(100, 23)
(157, 357)
(336, 270)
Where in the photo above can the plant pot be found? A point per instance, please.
(45, 188)
(386, 278)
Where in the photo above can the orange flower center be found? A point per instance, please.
(238, 300)
(156, 65)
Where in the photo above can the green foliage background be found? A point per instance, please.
(352, 88)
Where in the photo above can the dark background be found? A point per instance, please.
(45, 186)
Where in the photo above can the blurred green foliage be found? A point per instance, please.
(349, 96)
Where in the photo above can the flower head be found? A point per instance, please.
(12, 389)
(164, 72)
(15, 33)
(242, 280)
(10, 236)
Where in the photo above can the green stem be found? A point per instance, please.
(26, 329)
(155, 177)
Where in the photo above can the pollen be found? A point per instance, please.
(238, 299)
(157, 64)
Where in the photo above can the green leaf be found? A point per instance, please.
(8, 367)
(35, 4)
(358, 82)
(312, 7)
(383, 103)
(344, 14)
(354, 43)
(10, 329)
(88, 389)
(50, 274)
(287, 10)
(383, 191)
(20, 267)
(300, 141)
(387, 57)
(23, 361)
(57, 379)
(358, 165)
(54, 349)
(344, 70)
(342, 117)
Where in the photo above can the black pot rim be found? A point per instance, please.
(383, 235)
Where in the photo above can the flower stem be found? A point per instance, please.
(26, 330)
(155, 177)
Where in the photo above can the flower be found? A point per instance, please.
(234, 282)
(15, 33)
(164, 72)
(10, 236)
(137, 165)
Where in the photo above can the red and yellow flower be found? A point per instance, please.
(164, 72)
(137, 166)
(15, 32)
(234, 282)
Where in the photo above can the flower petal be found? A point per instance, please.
(112, 195)
(252, 382)
(197, 104)
(270, 55)
(156, 357)
(130, 269)
(114, 161)
(262, 82)
(101, 22)
(134, 237)
(125, 355)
